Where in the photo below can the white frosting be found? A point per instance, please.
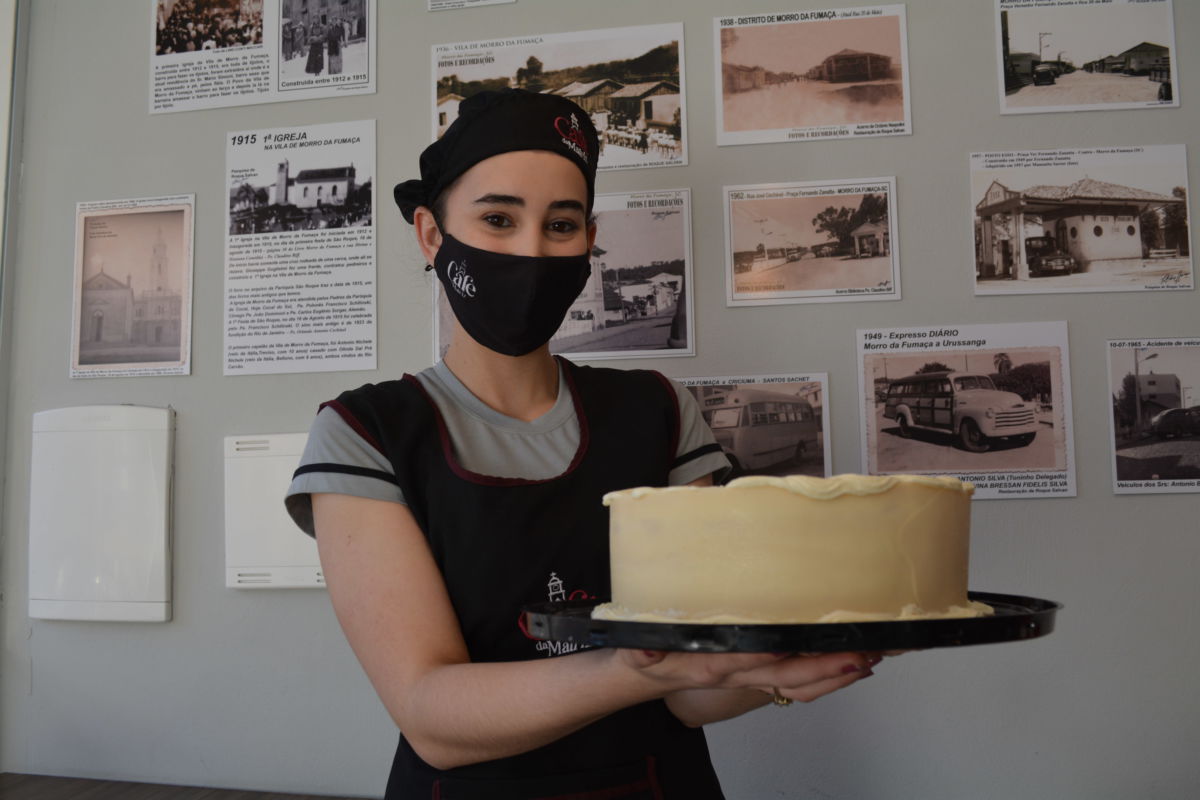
(612, 611)
(790, 550)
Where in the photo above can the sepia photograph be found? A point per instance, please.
(812, 75)
(637, 302)
(1154, 387)
(819, 241)
(629, 80)
(1064, 55)
(767, 424)
(986, 403)
(323, 44)
(133, 288)
(1089, 220)
(189, 26)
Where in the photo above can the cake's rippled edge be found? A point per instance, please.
(815, 488)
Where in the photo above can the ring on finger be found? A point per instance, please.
(779, 699)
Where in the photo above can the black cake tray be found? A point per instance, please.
(1016, 619)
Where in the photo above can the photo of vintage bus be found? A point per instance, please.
(759, 428)
(967, 406)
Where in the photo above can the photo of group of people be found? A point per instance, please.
(322, 40)
(186, 26)
(218, 53)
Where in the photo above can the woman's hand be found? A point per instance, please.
(803, 677)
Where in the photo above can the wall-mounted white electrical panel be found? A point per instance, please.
(100, 514)
(263, 547)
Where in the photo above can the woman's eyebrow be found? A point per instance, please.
(500, 199)
(513, 200)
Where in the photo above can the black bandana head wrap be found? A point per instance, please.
(491, 123)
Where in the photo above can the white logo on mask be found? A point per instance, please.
(459, 279)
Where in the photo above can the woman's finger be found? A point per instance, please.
(812, 691)
(798, 671)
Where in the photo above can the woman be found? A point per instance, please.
(316, 49)
(445, 502)
(333, 40)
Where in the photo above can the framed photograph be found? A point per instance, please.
(637, 302)
(133, 288)
(804, 75)
(813, 242)
(1154, 389)
(300, 249)
(768, 424)
(1111, 219)
(222, 53)
(1067, 55)
(989, 404)
(325, 45)
(193, 26)
(629, 80)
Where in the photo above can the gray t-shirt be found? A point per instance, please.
(484, 441)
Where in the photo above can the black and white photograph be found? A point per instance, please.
(812, 242)
(453, 5)
(221, 53)
(133, 288)
(324, 43)
(1067, 55)
(989, 404)
(300, 290)
(637, 302)
(768, 424)
(1154, 387)
(188, 26)
(302, 189)
(1111, 219)
(804, 75)
(629, 80)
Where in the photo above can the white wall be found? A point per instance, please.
(259, 690)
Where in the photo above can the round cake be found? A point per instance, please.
(797, 549)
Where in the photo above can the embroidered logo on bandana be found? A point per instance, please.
(573, 136)
(460, 279)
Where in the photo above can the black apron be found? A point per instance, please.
(503, 543)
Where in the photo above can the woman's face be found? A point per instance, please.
(525, 202)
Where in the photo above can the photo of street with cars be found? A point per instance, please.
(1155, 393)
(1068, 56)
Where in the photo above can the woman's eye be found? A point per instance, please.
(497, 220)
(563, 226)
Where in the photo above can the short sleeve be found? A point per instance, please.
(698, 453)
(337, 459)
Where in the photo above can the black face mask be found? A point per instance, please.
(507, 303)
